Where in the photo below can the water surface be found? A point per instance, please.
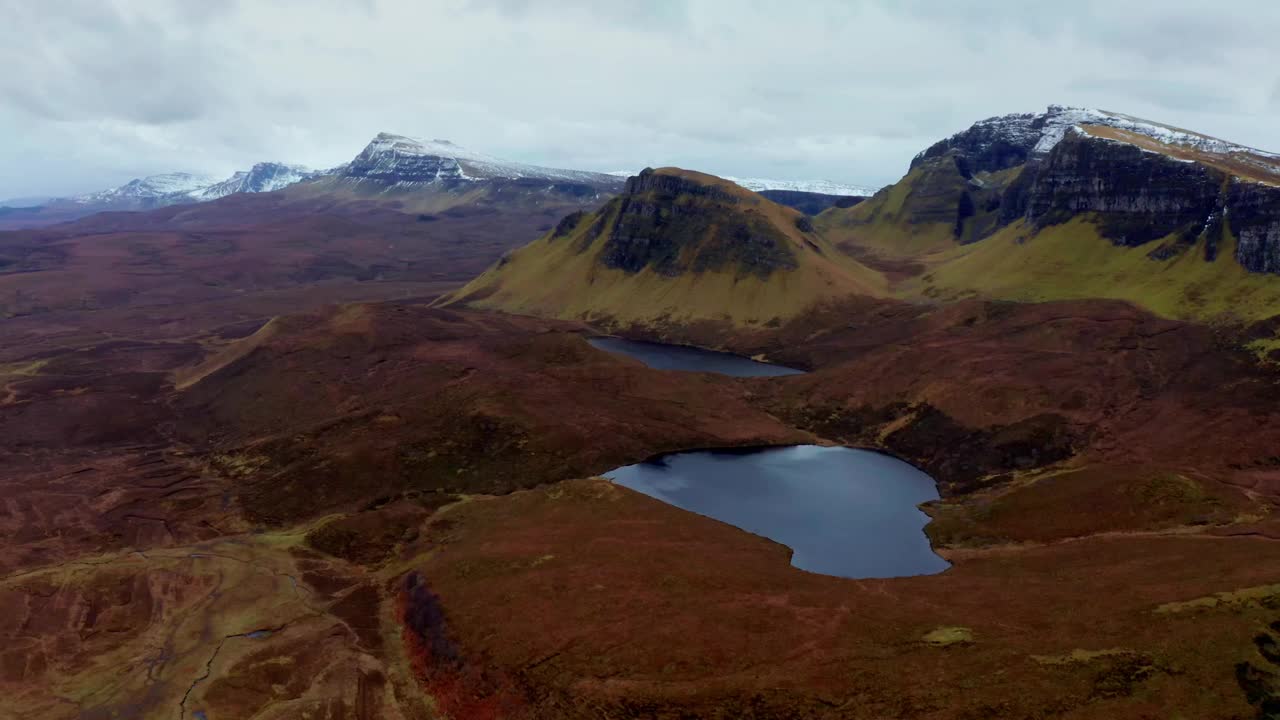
(661, 356)
(850, 513)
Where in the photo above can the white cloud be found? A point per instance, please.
(97, 91)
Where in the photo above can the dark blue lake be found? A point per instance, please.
(849, 513)
(661, 356)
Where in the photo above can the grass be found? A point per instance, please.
(24, 369)
(1259, 596)
(184, 378)
(1073, 261)
(948, 635)
(881, 224)
(565, 277)
(1080, 656)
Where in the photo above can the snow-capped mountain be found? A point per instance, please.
(1033, 135)
(401, 160)
(148, 190)
(263, 177)
(178, 188)
(822, 187)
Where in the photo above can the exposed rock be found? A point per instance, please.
(1136, 193)
(993, 144)
(651, 181)
(1140, 196)
(1253, 213)
(675, 224)
(568, 223)
(937, 191)
(393, 159)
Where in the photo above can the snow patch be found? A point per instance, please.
(149, 188)
(427, 160)
(1041, 132)
(824, 187)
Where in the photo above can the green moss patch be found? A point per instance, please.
(948, 635)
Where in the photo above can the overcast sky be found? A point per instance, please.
(96, 92)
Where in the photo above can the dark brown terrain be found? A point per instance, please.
(396, 482)
(183, 270)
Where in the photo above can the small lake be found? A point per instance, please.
(661, 356)
(849, 513)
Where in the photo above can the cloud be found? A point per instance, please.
(98, 91)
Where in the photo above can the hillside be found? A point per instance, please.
(1079, 203)
(675, 247)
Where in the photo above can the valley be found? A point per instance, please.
(395, 442)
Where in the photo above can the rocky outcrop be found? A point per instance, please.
(1253, 214)
(1135, 192)
(1137, 195)
(670, 185)
(993, 144)
(392, 160)
(675, 224)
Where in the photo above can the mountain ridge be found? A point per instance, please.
(1055, 197)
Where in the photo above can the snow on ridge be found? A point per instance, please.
(149, 188)
(1041, 132)
(389, 152)
(262, 177)
(823, 187)
(178, 188)
(1169, 135)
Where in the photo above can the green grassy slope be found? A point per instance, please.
(567, 276)
(1073, 261)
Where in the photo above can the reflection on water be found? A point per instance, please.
(844, 512)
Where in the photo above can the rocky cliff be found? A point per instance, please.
(675, 224)
(1138, 182)
(1253, 212)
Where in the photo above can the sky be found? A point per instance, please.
(96, 92)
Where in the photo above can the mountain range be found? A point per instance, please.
(389, 165)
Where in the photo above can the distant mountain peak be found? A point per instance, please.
(818, 187)
(152, 187)
(1004, 141)
(262, 177)
(403, 160)
(821, 187)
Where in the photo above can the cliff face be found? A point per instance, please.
(1138, 182)
(991, 145)
(676, 225)
(1253, 214)
(1138, 196)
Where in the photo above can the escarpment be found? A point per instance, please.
(1135, 181)
(675, 225)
